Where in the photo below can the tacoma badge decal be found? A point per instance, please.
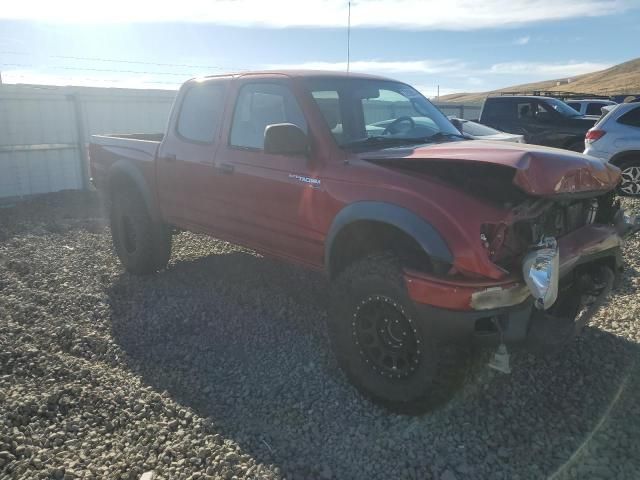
(314, 182)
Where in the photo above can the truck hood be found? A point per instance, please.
(539, 171)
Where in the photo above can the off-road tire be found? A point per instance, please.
(142, 244)
(634, 165)
(439, 369)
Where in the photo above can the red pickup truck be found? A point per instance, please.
(429, 239)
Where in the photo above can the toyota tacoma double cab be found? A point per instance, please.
(430, 240)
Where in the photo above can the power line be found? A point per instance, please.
(349, 36)
(89, 69)
(93, 79)
(113, 60)
(138, 62)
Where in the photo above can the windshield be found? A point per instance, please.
(562, 108)
(359, 111)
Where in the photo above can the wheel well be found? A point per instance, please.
(366, 237)
(623, 157)
(120, 182)
(116, 182)
(130, 179)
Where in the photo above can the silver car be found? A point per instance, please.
(479, 131)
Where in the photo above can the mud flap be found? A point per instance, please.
(551, 329)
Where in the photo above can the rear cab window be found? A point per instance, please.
(201, 111)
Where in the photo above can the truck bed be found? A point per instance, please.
(138, 149)
(148, 137)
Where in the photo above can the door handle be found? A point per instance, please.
(224, 168)
(170, 157)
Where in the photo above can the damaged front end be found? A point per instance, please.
(536, 237)
(570, 257)
(569, 275)
(560, 257)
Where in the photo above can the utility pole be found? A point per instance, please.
(438, 94)
(349, 36)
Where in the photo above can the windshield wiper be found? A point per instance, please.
(443, 135)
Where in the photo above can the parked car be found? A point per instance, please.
(590, 106)
(477, 131)
(541, 120)
(616, 139)
(428, 240)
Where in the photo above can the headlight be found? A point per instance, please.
(541, 272)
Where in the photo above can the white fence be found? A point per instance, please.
(44, 130)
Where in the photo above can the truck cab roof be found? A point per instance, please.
(296, 73)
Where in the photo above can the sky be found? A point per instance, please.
(453, 45)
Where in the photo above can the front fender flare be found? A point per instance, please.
(405, 220)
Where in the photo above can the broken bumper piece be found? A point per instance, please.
(541, 272)
(565, 280)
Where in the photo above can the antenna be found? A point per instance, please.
(349, 36)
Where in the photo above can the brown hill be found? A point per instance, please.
(622, 78)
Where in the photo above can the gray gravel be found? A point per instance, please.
(219, 367)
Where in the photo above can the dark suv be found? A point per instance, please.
(542, 120)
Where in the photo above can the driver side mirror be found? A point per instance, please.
(285, 139)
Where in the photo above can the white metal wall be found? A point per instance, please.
(44, 130)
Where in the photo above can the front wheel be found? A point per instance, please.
(630, 184)
(386, 350)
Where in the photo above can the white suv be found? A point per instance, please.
(616, 139)
(589, 106)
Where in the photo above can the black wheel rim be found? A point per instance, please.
(128, 234)
(386, 337)
(631, 180)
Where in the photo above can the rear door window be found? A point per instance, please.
(526, 110)
(200, 112)
(574, 105)
(594, 109)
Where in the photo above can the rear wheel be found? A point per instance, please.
(630, 184)
(382, 345)
(142, 244)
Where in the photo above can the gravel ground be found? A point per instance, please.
(219, 367)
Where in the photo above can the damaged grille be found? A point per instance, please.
(558, 219)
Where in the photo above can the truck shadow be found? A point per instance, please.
(241, 340)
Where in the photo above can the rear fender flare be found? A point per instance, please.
(123, 172)
(405, 220)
